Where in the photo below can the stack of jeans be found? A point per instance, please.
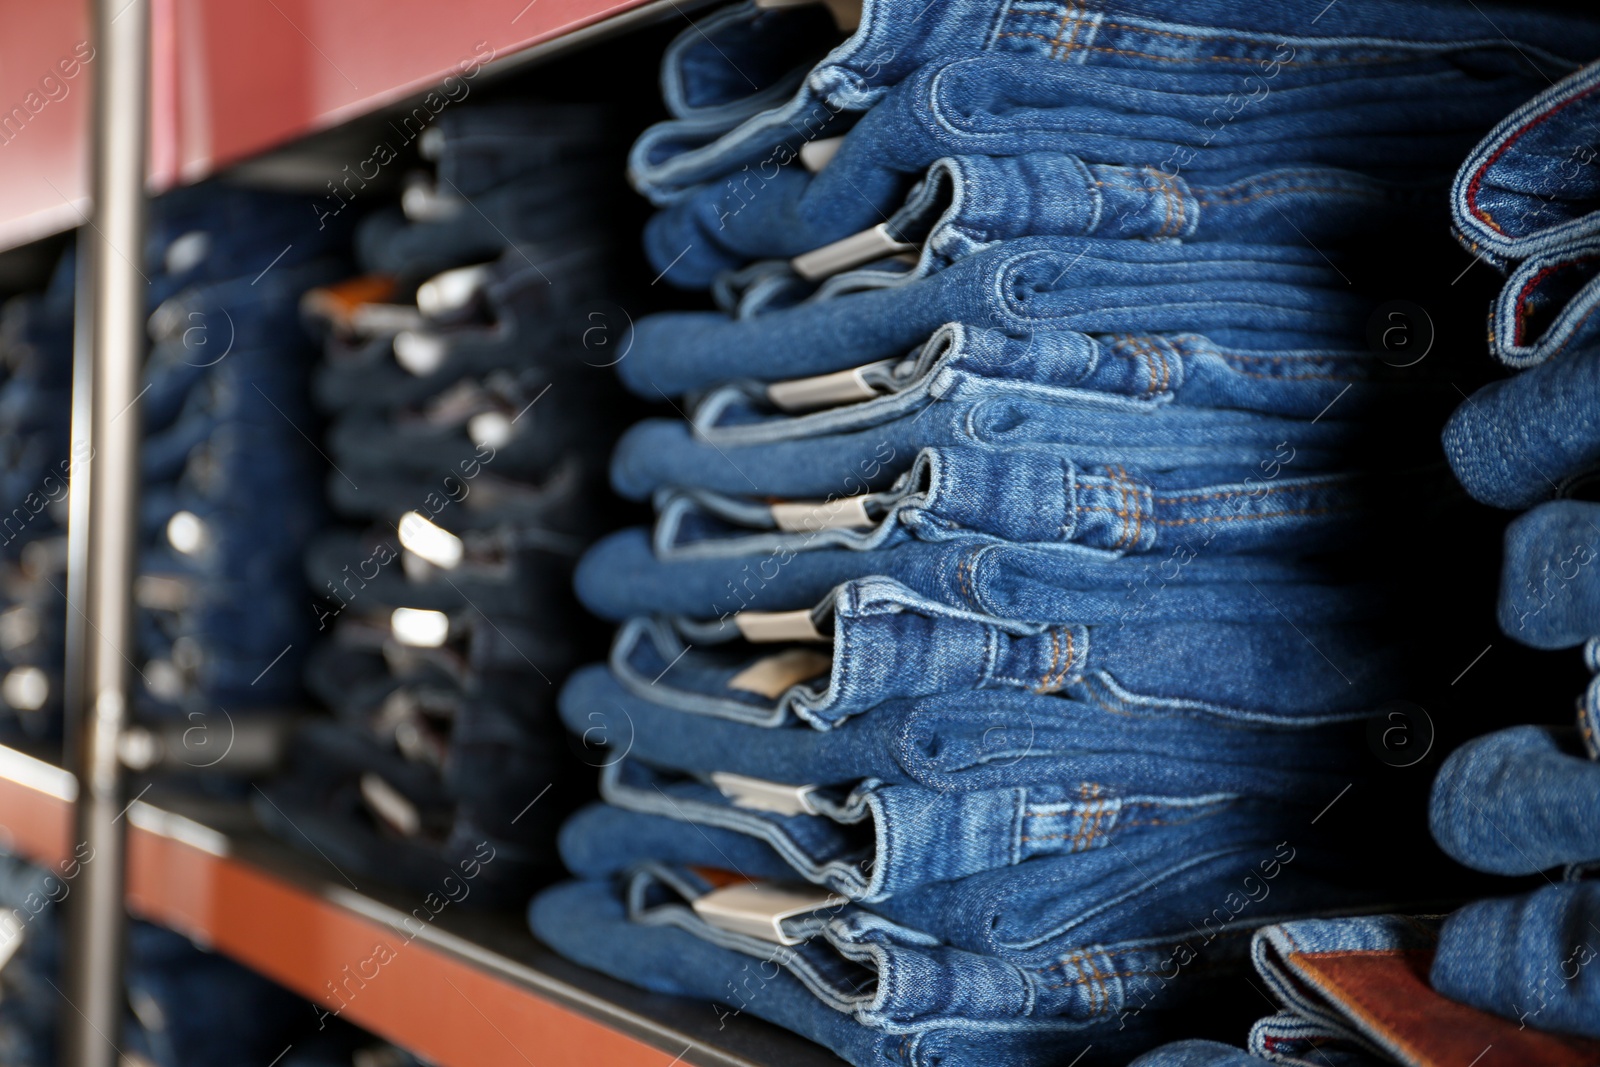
(467, 440)
(35, 417)
(1003, 629)
(1519, 801)
(230, 474)
(1523, 800)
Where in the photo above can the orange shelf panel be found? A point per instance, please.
(452, 1001)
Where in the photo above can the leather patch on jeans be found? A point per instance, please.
(1386, 995)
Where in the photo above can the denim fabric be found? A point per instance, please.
(974, 741)
(1518, 441)
(1412, 122)
(1257, 297)
(496, 423)
(590, 922)
(1547, 306)
(886, 643)
(1056, 943)
(320, 801)
(488, 145)
(516, 574)
(553, 210)
(1319, 1026)
(1257, 452)
(1153, 37)
(1531, 188)
(964, 204)
(1529, 958)
(1201, 1054)
(1031, 497)
(739, 60)
(520, 316)
(620, 577)
(874, 840)
(1549, 593)
(1512, 802)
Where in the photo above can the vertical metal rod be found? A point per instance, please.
(96, 919)
(77, 630)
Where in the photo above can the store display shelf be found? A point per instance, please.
(461, 990)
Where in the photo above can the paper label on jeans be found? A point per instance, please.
(847, 253)
(758, 909)
(771, 676)
(767, 627)
(758, 794)
(390, 805)
(821, 391)
(809, 516)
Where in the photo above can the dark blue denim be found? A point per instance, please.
(873, 841)
(1530, 958)
(1517, 441)
(964, 204)
(620, 577)
(590, 922)
(1547, 305)
(1257, 297)
(526, 310)
(881, 642)
(1153, 37)
(1514, 802)
(1531, 187)
(1549, 592)
(1058, 942)
(975, 741)
(735, 448)
(1032, 497)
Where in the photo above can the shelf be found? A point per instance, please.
(466, 990)
(234, 78)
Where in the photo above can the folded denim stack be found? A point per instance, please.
(985, 641)
(230, 493)
(1519, 801)
(468, 437)
(35, 414)
(1523, 800)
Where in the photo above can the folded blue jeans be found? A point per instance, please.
(1530, 187)
(1032, 497)
(1549, 593)
(590, 922)
(980, 740)
(620, 577)
(1515, 802)
(1256, 297)
(1529, 958)
(874, 840)
(896, 37)
(878, 642)
(1519, 440)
